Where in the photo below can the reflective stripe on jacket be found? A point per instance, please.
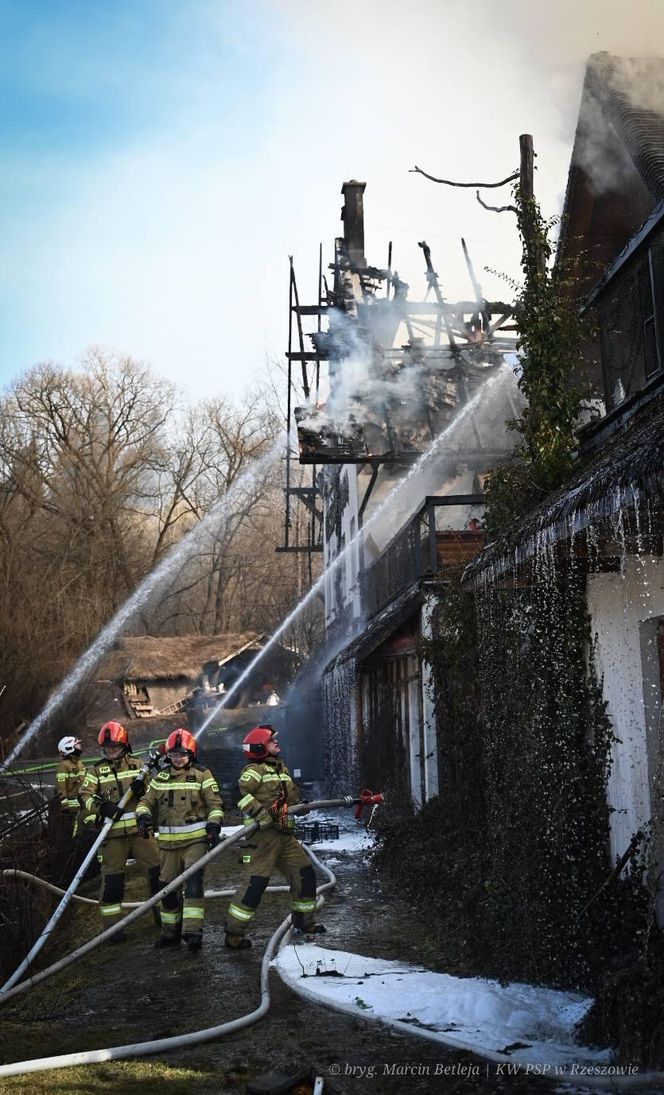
(261, 785)
(109, 781)
(69, 776)
(180, 802)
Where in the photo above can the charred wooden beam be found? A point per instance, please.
(367, 494)
(432, 280)
(298, 549)
(307, 496)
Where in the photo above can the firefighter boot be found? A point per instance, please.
(302, 930)
(167, 941)
(193, 940)
(237, 942)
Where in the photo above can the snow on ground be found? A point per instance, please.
(512, 1022)
(352, 840)
(360, 841)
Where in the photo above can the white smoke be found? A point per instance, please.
(369, 385)
(599, 147)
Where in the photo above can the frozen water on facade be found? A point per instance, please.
(342, 761)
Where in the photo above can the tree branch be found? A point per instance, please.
(448, 182)
(496, 208)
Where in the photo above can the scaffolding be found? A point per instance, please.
(427, 359)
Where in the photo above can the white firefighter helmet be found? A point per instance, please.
(69, 745)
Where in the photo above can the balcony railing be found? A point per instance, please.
(420, 549)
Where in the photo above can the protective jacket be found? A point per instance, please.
(69, 776)
(266, 788)
(180, 802)
(109, 781)
(265, 784)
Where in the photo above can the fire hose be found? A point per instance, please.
(367, 798)
(143, 1049)
(73, 885)
(35, 880)
(8, 993)
(279, 938)
(180, 1041)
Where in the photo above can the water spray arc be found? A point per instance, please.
(398, 491)
(166, 570)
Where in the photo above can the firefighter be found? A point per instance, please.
(69, 776)
(267, 791)
(64, 850)
(104, 785)
(182, 802)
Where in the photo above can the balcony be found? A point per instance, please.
(425, 546)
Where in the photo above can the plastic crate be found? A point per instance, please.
(309, 832)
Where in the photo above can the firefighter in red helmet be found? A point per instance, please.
(105, 783)
(266, 792)
(182, 802)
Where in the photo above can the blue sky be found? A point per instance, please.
(160, 159)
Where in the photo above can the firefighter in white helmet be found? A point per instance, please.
(69, 776)
(66, 845)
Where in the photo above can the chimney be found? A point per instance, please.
(352, 214)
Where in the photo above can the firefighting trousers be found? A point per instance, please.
(114, 855)
(263, 853)
(179, 912)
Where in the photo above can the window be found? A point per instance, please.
(653, 323)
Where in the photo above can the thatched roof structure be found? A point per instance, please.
(152, 658)
(626, 474)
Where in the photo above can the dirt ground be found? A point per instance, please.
(132, 993)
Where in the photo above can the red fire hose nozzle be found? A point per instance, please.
(368, 798)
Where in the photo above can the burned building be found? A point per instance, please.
(404, 411)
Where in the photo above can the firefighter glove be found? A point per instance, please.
(279, 814)
(144, 827)
(112, 810)
(264, 820)
(137, 787)
(213, 830)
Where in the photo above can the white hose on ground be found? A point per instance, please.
(35, 880)
(71, 889)
(37, 978)
(180, 1041)
(654, 1080)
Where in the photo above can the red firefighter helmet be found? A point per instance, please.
(181, 741)
(113, 733)
(255, 744)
